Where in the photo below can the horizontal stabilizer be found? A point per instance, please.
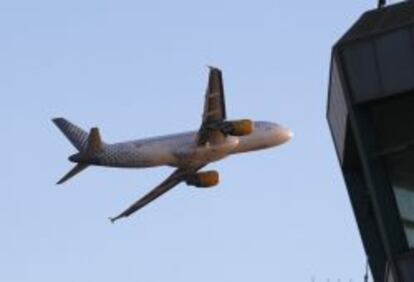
(76, 135)
(78, 168)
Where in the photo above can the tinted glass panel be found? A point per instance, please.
(394, 122)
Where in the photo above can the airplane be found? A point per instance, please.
(188, 152)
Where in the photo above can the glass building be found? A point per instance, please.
(371, 118)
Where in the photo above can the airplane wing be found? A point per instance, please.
(214, 109)
(175, 178)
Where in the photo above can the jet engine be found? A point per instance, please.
(204, 179)
(238, 127)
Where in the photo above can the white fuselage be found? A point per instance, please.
(181, 150)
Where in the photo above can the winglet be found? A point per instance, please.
(213, 67)
(113, 219)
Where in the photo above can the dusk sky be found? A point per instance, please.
(136, 70)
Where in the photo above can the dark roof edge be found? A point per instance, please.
(380, 21)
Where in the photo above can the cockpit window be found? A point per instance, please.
(264, 125)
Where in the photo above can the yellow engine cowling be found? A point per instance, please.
(204, 179)
(239, 127)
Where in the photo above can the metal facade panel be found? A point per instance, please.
(362, 71)
(337, 111)
(367, 224)
(395, 55)
(380, 66)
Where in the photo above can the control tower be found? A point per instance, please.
(371, 118)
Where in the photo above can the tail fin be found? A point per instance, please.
(77, 136)
(94, 144)
(89, 145)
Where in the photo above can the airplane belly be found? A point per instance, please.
(131, 155)
(193, 155)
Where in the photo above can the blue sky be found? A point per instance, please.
(139, 69)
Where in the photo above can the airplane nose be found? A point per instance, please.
(284, 134)
(278, 133)
(288, 134)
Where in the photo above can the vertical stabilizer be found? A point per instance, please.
(94, 144)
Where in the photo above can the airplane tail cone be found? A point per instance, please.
(88, 145)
